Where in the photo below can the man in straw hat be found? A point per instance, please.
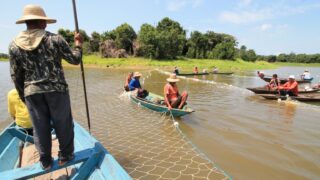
(172, 97)
(36, 70)
(135, 82)
(289, 88)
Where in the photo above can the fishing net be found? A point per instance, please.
(148, 145)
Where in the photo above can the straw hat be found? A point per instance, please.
(173, 78)
(291, 77)
(137, 74)
(34, 12)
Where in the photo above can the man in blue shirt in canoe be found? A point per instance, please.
(135, 83)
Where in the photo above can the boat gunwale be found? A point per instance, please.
(161, 106)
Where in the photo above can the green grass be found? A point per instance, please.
(2, 59)
(183, 64)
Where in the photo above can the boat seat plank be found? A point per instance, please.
(15, 132)
(35, 169)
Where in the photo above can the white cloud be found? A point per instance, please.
(176, 5)
(245, 2)
(245, 15)
(265, 27)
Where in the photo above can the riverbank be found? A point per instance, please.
(183, 64)
(297, 64)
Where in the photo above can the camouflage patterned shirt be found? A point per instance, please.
(40, 70)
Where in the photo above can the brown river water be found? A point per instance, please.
(244, 135)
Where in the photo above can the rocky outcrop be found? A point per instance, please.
(108, 49)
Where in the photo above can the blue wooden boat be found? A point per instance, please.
(156, 103)
(92, 160)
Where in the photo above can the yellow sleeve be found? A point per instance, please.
(11, 108)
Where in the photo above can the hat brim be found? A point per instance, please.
(33, 17)
(173, 80)
(137, 75)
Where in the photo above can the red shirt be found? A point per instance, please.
(171, 91)
(293, 86)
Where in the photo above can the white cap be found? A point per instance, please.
(291, 77)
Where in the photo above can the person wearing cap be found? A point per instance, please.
(172, 97)
(289, 88)
(306, 75)
(135, 82)
(37, 73)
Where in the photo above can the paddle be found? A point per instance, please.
(81, 66)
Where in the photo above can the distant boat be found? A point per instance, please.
(283, 80)
(302, 98)
(192, 74)
(92, 160)
(155, 102)
(264, 90)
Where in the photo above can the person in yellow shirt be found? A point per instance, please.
(19, 111)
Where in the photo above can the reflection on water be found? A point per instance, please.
(247, 136)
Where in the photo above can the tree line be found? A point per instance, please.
(166, 40)
(169, 40)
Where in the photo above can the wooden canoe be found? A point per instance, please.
(92, 160)
(223, 73)
(156, 103)
(283, 80)
(302, 98)
(264, 90)
(192, 74)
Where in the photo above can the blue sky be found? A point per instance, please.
(267, 26)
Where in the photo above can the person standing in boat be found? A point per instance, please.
(176, 70)
(289, 88)
(274, 82)
(195, 70)
(172, 97)
(19, 112)
(36, 70)
(128, 79)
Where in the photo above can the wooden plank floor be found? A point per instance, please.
(30, 156)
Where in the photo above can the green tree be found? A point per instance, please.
(94, 43)
(197, 44)
(108, 35)
(125, 35)
(251, 54)
(147, 38)
(67, 35)
(243, 53)
(224, 50)
(171, 39)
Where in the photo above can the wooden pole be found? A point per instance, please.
(81, 66)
